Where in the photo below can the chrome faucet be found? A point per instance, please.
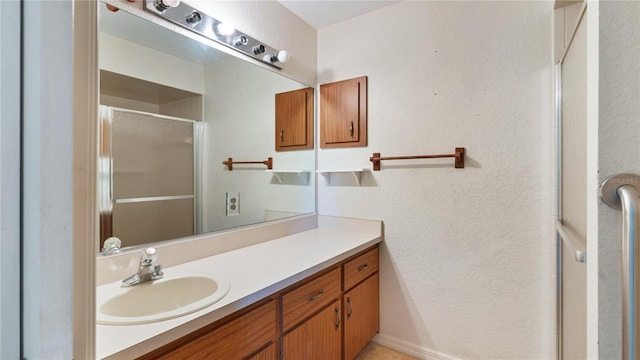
(149, 269)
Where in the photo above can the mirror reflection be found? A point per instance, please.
(172, 109)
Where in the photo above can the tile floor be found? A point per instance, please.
(377, 352)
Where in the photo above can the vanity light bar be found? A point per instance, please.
(199, 22)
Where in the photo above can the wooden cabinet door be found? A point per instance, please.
(317, 338)
(361, 316)
(270, 353)
(343, 113)
(294, 120)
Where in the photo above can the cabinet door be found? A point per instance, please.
(361, 319)
(294, 120)
(343, 113)
(270, 353)
(317, 338)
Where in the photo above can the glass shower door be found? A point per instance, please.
(150, 177)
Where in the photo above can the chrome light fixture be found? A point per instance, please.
(162, 5)
(282, 56)
(224, 33)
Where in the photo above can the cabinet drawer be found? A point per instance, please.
(236, 339)
(360, 268)
(302, 302)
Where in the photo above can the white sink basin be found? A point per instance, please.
(172, 296)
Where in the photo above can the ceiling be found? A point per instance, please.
(321, 13)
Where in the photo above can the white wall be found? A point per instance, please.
(465, 266)
(148, 64)
(240, 123)
(618, 132)
(9, 180)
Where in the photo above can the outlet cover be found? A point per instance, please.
(233, 203)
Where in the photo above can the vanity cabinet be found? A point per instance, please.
(343, 113)
(331, 315)
(294, 120)
(312, 319)
(361, 302)
(238, 338)
(316, 338)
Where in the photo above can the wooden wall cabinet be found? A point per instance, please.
(332, 315)
(294, 120)
(343, 113)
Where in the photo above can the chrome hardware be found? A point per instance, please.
(282, 135)
(194, 18)
(258, 49)
(148, 269)
(203, 24)
(240, 40)
(111, 245)
(351, 129)
(363, 267)
(162, 5)
(350, 307)
(337, 317)
(310, 298)
(623, 192)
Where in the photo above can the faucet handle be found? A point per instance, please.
(148, 257)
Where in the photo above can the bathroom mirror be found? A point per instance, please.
(172, 109)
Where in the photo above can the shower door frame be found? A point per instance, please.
(562, 237)
(105, 170)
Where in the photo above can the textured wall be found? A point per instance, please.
(466, 260)
(618, 151)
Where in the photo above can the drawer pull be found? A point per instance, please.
(310, 298)
(350, 307)
(337, 317)
(363, 267)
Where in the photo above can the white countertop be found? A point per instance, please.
(254, 273)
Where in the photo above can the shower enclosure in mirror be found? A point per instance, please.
(173, 108)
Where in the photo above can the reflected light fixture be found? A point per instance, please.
(282, 56)
(224, 33)
(163, 5)
(225, 28)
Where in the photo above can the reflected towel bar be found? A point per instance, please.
(230, 162)
(458, 155)
(623, 192)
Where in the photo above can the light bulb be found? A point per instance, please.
(282, 56)
(162, 5)
(225, 28)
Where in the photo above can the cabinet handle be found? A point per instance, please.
(351, 129)
(350, 307)
(282, 135)
(310, 298)
(337, 317)
(363, 267)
